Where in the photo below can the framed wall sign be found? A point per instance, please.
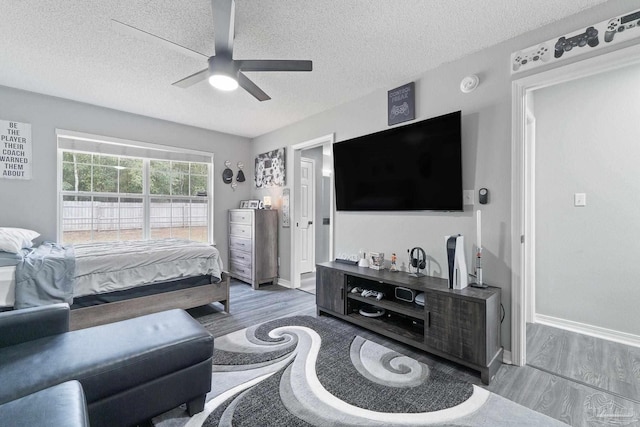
(15, 157)
(401, 105)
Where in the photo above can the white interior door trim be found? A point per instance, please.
(522, 195)
(295, 204)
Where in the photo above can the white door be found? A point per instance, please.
(307, 213)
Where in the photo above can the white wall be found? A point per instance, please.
(486, 134)
(588, 141)
(32, 203)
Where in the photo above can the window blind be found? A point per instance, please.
(129, 150)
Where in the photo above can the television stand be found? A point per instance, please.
(461, 325)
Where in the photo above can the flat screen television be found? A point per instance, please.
(407, 168)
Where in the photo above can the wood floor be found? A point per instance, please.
(605, 365)
(308, 283)
(249, 307)
(580, 380)
(571, 400)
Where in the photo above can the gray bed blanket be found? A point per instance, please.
(45, 276)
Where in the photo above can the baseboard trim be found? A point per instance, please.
(285, 283)
(506, 357)
(594, 331)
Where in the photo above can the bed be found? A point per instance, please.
(110, 281)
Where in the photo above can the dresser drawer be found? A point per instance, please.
(239, 244)
(239, 269)
(240, 230)
(239, 257)
(240, 217)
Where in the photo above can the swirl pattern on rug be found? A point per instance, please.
(301, 371)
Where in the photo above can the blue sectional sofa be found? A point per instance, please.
(130, 371)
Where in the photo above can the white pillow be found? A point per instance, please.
(14, 239)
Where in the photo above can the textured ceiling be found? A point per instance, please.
(70, 49)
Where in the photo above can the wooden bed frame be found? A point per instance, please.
(85, 317)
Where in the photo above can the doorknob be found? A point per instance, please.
(310, 222)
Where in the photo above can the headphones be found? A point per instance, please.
(419, 260)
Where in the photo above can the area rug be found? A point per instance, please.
(303, 371)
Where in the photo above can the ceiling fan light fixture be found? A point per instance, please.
(223, 73)
(223, 82)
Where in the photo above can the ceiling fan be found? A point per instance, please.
(224, 72)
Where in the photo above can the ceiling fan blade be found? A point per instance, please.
(224, 12)
(192, 79)
(275, 65)
(252, 88)
(127, 29)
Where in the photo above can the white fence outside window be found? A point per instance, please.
(104, 216)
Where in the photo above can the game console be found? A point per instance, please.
(539, 53)
(618, 25)
(456, 263)
(589, 37)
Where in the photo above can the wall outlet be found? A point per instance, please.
(468, 197)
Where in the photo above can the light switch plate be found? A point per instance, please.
(580, 199)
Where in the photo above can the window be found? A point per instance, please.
(112, 191)
(177, 204)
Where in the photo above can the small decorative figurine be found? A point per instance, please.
(394, 259)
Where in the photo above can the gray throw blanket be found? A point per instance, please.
(45, 276)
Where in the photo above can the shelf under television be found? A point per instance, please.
(382, 325)
(407, 308)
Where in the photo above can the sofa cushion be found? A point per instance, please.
(18, 326)
(106, 359)
(62, 405)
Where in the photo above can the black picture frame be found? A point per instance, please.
(401, 105)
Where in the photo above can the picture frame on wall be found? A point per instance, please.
(270, 169)
(401, 104)
(15, 163)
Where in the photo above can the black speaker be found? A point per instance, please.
(405, 294)
(418, 258)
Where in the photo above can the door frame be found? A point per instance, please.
(295, 203)
(522, 179)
